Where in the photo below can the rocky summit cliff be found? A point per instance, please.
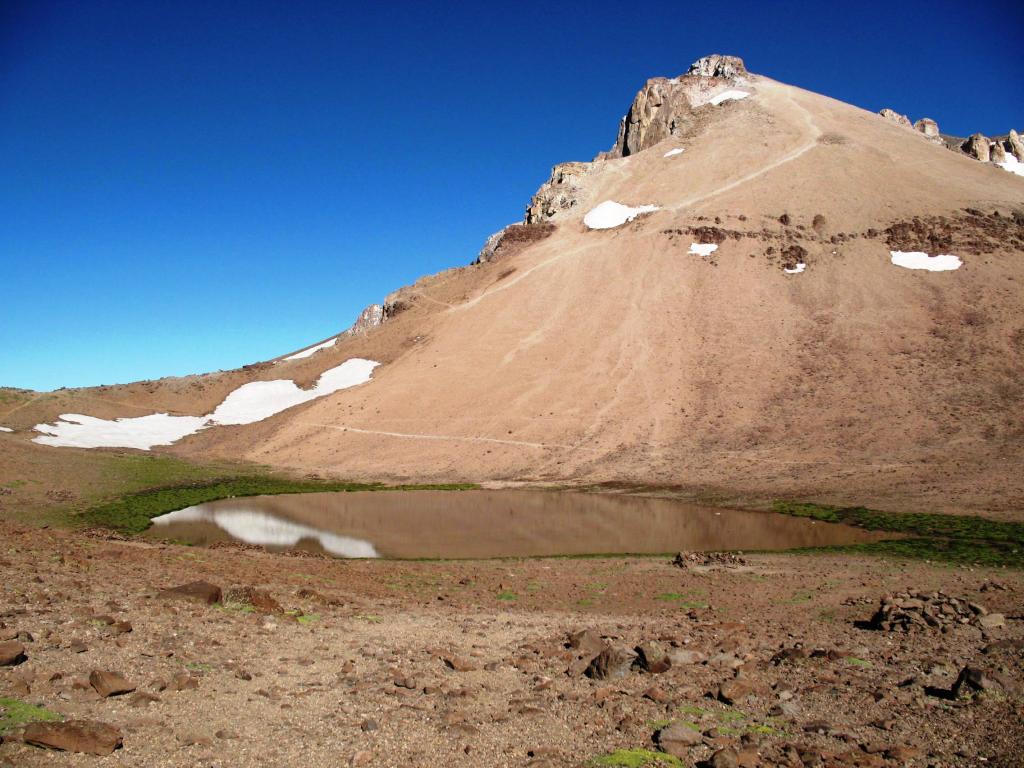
(757, 291)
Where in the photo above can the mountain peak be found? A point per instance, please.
(718, 65)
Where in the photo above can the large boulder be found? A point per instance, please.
(11, 653)
(89, 736)
(997, 153)
(978, 147)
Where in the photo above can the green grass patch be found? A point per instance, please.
(693, 711)
(14, 713)
(506, 595)
(955, 539)
(637, 758)
(133, 512)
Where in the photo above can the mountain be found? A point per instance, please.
(758, 291)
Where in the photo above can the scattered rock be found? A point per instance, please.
(709, 559)
(196, 591)
(108, 684)
(911, 611)
(87, 736)
(725, 758)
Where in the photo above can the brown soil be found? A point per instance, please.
(464, 663)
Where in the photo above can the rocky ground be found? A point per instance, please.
(299, 660)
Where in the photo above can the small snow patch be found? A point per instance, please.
(312, 350)
(730, 95)
(673, 152)
(1012, 164)
(251, 402)
(702, 249)
(800, 267)
(610, 214)
(6, 429)
(918, 260)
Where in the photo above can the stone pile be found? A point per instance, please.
(911, 611)
(707, 559)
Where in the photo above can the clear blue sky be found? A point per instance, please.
(187, 186)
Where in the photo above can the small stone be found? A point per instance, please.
(459, 664)
(991, 620)
(88, 736)
(657, 695)
(652, 658)
(362, 757)
(725, 758)
(369, 725)
(677, 738)
(195, 591)
(143, 699)
(613, 662)
(734, 691)
(109, 683)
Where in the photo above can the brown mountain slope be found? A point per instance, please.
(600, 355)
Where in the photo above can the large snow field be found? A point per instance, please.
(249, 403)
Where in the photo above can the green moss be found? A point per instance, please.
(956, 539)
(857, 662)
(689, 709)
(506, 595)
(14, 713)
(637, 758)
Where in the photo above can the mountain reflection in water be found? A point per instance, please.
(483, 523)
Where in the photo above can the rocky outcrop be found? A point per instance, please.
(1015, 145)
(894, 116)
(977, 146)
(668, 107)
(717, 65)
(369, 318)
(997, 153)
(511, 240)
(929, 128)
(559, 193)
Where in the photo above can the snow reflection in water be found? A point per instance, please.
(261, 529)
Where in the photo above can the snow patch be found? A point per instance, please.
(251, 402)
(311, 351)
(6, 429)
(259, 400)
(610, 214)
(702, 249)
(261, 529)
(674, 152)
(730, 95)
(918, 260)
(1012, 164)
(74, 430)
(800, 267)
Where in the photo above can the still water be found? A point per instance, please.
(479, 524)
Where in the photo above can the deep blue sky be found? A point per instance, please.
(187, 186)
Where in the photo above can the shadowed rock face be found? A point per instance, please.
(977, 146)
